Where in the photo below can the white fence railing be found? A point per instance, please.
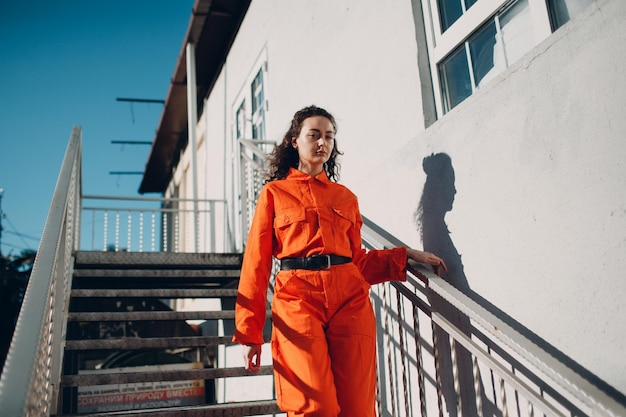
(444, 353)
(29, 385)
(137, 224)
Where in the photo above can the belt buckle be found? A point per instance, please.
(322, 266)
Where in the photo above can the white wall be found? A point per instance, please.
(540, 211)
(539, 215)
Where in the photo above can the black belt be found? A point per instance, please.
(315, 262)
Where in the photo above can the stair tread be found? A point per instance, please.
(150, 315)
(158, 293)
(147, 343)
(155, 273)
(86, 259)
(110, 378)
(232, 409)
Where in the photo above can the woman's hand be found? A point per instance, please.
(427, 258)
(252, 357)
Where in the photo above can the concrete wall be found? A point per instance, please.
(539, 213)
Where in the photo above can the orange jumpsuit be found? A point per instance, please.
(324, 330)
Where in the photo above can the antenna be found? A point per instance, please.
(141, 100)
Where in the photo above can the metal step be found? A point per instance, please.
(152, 260)
(129, 343)
(249, 408)
(156, 376)
(155, 278)
(147, 343)
(155, 273)
(152, 293)
(151, 315)
(154, 315)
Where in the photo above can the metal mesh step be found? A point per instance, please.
(156, 293)
(154, 315)
(87, 259)
(147, 343)
(151, 315)
(249, 408)
(179, 375)
(156, 273)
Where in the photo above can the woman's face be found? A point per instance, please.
(314, 144)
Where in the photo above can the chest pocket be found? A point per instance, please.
(290, 226)
(345, 217)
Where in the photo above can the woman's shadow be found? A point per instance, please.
(437, 199)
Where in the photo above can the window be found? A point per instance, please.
(561, 11)
(472, 41)
(240, 122)
(258, 106)
(248, 117)
(451, 10)
(497, 43)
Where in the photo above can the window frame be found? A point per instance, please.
(441, 44)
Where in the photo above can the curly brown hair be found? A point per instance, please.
(285, 156)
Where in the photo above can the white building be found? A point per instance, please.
(525, 97)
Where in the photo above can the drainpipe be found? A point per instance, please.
(192, 122)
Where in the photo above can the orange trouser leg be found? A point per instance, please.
(302, 372)
(323, 343)
(352, 345)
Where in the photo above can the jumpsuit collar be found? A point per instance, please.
(295, 174)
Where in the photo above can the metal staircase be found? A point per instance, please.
(120, 308)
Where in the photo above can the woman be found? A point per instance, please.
(324, 330)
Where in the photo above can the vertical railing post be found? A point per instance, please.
(212, 223)
(244, 193)
(192, 123)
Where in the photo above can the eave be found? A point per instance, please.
(212, 29)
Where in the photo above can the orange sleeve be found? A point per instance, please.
(377, 265)
(255, 274)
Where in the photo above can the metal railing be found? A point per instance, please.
(136, 224)
(252, 165)
(29, 383)
(443, 353)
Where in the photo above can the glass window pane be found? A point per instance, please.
(258, 111)
(469, 3)
(516, 26)
(257, 92)
(561, 11)
(455, 78)
(241, 120)
(449, 12)
(485, 53)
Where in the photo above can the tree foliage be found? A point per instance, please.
(14, 274)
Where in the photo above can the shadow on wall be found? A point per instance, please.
(437, 199)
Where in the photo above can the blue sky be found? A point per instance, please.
(64, 64)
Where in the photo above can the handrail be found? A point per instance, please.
(140, 229)
(595, 401)
(522, 366)
(29, 383)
